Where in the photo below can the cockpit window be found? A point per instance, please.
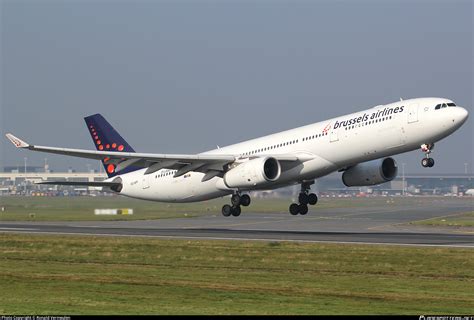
(444, 105)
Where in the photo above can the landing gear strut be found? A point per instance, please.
(304, 199)
(427, 162)
(237, 200)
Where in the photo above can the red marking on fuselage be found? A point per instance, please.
(120, 148)
(327, 128)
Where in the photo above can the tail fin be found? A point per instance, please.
(106, 138)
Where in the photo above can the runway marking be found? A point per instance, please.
(289, 219)
(17, 229)
(234, 224)
(464, 232)
(83, 226)
(252, 239)
(336, 216)
(408, 222)
(448, 215)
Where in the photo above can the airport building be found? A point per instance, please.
(22, 181)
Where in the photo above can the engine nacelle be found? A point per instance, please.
(370, 173)
(253, 173)
(118, 188)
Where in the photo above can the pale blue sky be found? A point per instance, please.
(184, 76)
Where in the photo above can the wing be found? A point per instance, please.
(211, 164)
(153, 162)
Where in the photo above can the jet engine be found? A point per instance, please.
(370, 173)
(253, 173)
(117, 188)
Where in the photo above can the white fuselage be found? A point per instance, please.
(331, 145)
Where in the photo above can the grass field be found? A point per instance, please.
(42, 274)
(464, 219)
(82, 208)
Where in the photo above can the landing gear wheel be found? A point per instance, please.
(427, 162)
(245, 200)
(226, 210)
(312, 199)
(294, 209)
(431, 162)
(303, 198)
(424, 162)
(303, 209)
(236, 211)
(235, 200)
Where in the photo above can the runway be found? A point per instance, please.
(367, 225)
(405, 238)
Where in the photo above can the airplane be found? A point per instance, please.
(359, 145)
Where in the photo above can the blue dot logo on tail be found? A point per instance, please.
(106, 138)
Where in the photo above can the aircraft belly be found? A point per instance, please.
(187, 188)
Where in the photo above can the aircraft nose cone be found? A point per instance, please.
(459, 115)
(463, 114)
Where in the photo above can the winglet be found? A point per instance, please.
(16, 141)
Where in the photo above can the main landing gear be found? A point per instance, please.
(237, 200)
(304, 199)
(427, 162)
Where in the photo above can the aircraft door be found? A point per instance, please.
(334, 136)
(413, 113)
(146, 181)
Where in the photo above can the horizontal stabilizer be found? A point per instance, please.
(83, 183)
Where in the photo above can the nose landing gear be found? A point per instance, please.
(304, 199)
(237, 200)
(427, 162)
